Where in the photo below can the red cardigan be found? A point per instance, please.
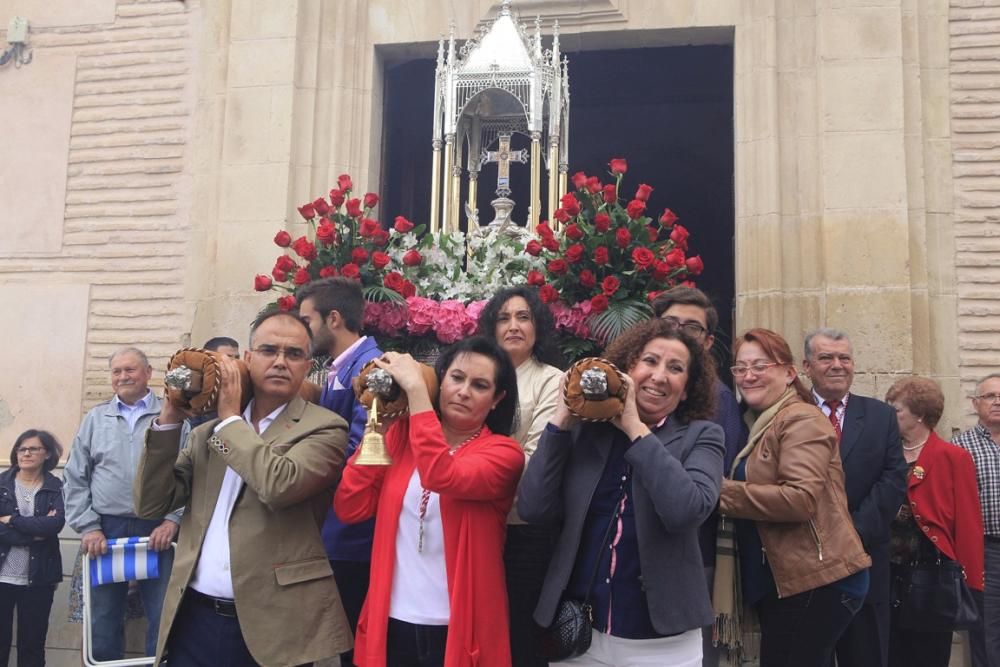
(944, 499)
(476, 487)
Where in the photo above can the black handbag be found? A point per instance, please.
(571, 630)
(933, 597)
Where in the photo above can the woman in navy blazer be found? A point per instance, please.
(654, 475)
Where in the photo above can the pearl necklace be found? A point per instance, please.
(425, 495)
(914, 447)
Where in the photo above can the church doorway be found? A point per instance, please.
(668, 110)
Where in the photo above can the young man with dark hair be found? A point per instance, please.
(223, 345)
(333, 308)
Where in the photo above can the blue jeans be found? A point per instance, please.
(411, 645)
(107, 602)
(802, 630)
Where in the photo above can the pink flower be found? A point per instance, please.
(452, 322)
(474, 309)
(422, 315)
(385, 317)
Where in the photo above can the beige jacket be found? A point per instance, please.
(286, 599)
(537, 397)
(795, 494)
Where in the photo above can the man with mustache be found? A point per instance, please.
(874, 478)
(251, 583)
(98, 490)
(982, 441)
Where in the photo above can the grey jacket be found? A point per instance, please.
(677, 473)
(98, 476)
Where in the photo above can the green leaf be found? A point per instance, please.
(381, 293)
(619, 316)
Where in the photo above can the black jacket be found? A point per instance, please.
(46, 560)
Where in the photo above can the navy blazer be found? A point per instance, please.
(875, 480)
(46, 560)
(677, 474)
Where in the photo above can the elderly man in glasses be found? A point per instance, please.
(690, 310)
(874, 478)
(982, 441)
(251, 582)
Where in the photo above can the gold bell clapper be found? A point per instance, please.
(372, 445)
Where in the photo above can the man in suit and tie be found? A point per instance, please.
(874, 478)
(251, 583)
(334, 310)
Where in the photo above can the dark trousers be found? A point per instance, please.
(33, 604)
(918, 648)
(865, 643)
(984, 638)
(526, 558)
(352, 579)
(802, 630)
(199, 637)
(411, 645)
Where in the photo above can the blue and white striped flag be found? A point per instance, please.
(128, 559)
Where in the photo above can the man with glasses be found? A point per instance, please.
(692, 311)
(251, 582)
(98, 491)
(874, 478)
(982, 441)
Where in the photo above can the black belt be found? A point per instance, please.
(220, 606)
(992, 538)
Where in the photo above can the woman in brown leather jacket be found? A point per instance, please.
(801, 562)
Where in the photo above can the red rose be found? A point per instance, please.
(558, 267)
(371, 200)
(543, 230)
(409, 289)
(380, 260)
(394, 281)
(337, 198)
(573, 233)
(284, 263)
(562, 215)
(579, 180)
(282, 239)
(550, 243)
(381, 237)
(412, 258)
(570, 204)
(304, 248)
(643, 258)
(622, 237)
(674, 258)
(354, 208)
(602, 222)
(599, 304)
(326, 233)
(279, 275)
(402, 225)
(654, 234)
(359, 256)
(660, 270)
(668, 218)
(307, 211)
(587, 278)
(301, 277)
(321, 206)
(694, 265)
(286, 303)
(610, 193)
(533, 248)
(328, 272)
(610, 285)
(350, 271)
(679, 235)
(261, 283)
(635, 208)
(344, 182)
(642, 194)
(548, 294)
(594, 185)
(600, 255)
(618, 166)
(368, 227)
(536, 278)
(574, 253)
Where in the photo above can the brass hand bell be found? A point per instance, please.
(372, 448)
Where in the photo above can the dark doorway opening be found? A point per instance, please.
(668, 110)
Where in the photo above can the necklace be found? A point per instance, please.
(27, 492)
(425, 495)
(914, 447)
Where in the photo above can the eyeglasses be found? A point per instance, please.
(293, 354)
(690, 326)
(989, 398)
(740, 371)
(29, 451)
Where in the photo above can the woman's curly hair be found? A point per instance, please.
(624, 353)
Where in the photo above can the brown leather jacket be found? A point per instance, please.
(795, 494)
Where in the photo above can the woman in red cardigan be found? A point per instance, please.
(437, 595)
(941, 517)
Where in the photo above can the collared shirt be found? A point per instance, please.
(131, 413)
(211, 574)
(333, 367)
(841, 409)
(985, 453)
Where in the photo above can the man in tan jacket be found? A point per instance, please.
(251, 582)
